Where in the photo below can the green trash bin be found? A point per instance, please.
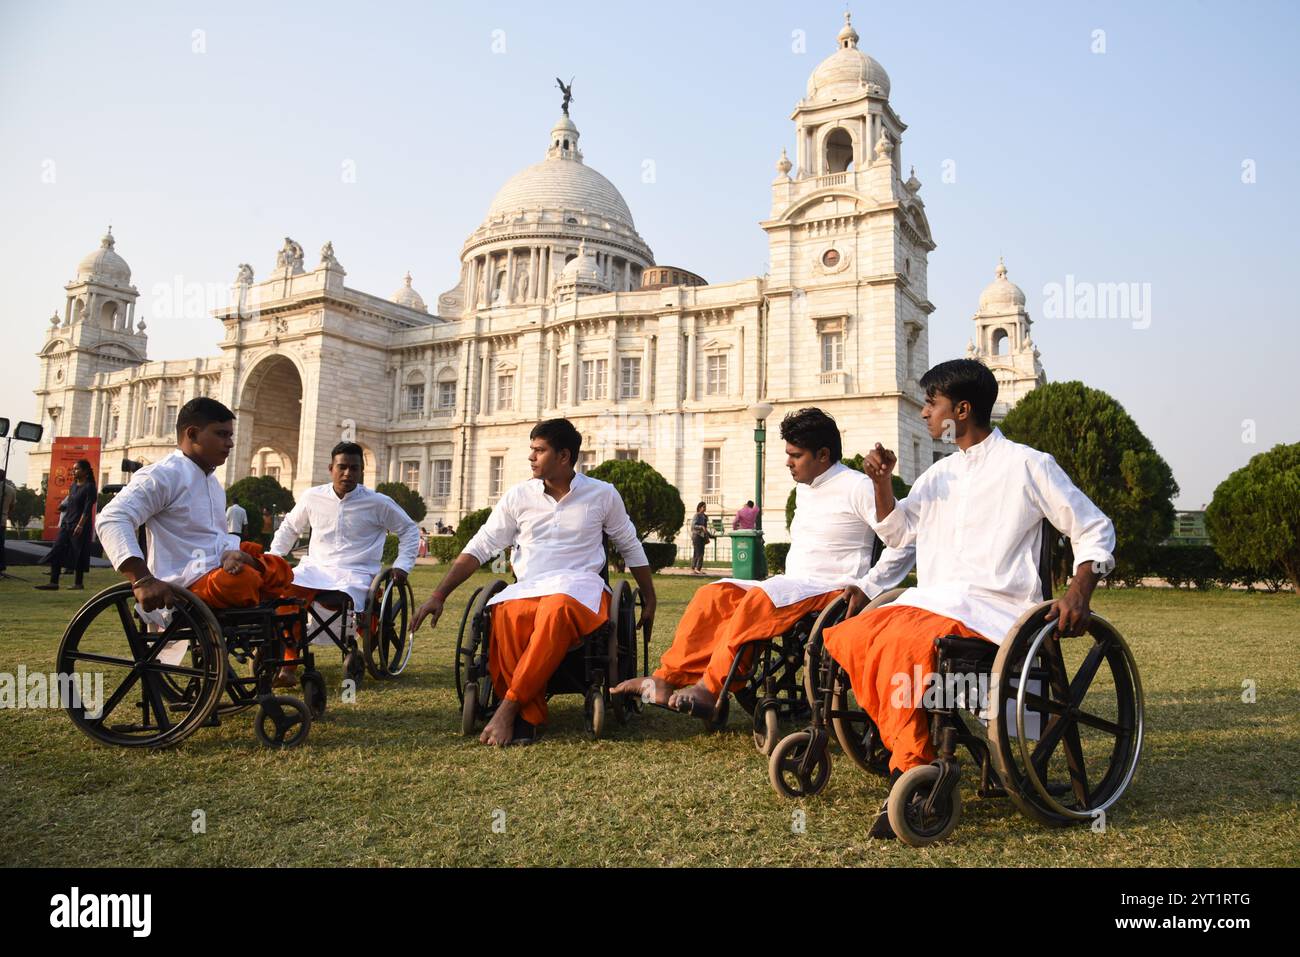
(747, 559)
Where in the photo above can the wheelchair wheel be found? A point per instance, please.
(767, 727)
(130, 676)
(1089, 708)
(282, 722)
(313, 692)
(388, 641)
(469, 710)
(622, 649)
(471, 641)
(783, 767)
(594, 712)
(854, 730)
(908, 817)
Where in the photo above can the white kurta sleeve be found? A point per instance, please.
(618, 526)
(121, 519)
(291, 529)
(1091, 533)
(408, 536)
(892, 568)
(497, 533)
(898, 528)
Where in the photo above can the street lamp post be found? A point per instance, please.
(760, 411)
(25, 432)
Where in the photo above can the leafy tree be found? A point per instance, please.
(28, 504)
(1254, 518)
(655, 506)
(901, 488)
(469, 525)
(411, 502)
(256, 493)
(1105, 454)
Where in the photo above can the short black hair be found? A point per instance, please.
(559, 434)
(700, 506)
(749, 504)
(201, 412)
(814, 430)
(348, 448)
(964, 380)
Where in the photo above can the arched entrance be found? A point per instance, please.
(269, 416)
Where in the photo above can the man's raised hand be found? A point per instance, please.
(879, 464)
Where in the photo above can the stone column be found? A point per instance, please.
(690, 358)
(647, 360)
(424, 471)
(553, 392)
(575, 369)
(613, 362)
(510, 275)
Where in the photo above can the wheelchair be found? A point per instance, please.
(603, 659)
(386, 645)
(1057, 733)
(773, 692)
(203, 665)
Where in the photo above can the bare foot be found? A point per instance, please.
(286, 677)
(651, 690)
(501, 729)
(697, 695)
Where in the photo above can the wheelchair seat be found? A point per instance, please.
(332, 599)
(972, 650)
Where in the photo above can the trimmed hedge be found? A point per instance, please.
(445, 548)
(775, 553)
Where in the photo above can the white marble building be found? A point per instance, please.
(550, 317)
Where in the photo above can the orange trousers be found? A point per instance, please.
(220, 589)
(877, 646)
(530, 637)
(718, 622)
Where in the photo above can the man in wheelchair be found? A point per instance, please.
(975, 518)
(349, 524)
(183, 508)
(830, 546)
(555, 523)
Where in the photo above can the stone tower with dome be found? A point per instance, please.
(1002, 342)
(558, 309)
(849, 243)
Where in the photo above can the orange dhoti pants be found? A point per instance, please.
(877, 646)
(219, 589)
(720, 620)
(530, 637)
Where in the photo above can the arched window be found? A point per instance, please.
(1001, 342)
(839, 151)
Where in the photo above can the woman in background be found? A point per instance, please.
(76, 523)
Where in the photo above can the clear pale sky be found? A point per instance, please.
(1122, 166)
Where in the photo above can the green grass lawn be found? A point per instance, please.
(390, 781)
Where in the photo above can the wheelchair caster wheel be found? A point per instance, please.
(469, 711)
(354, 666)
(783, 768)
(595, 710)
(908, 817)
(282, 722)
(313, 692)
(767, 730)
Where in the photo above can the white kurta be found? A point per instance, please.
(831, 542)
(557, 546)
(975, 519)
(236, 519)
(183, 510)
(347, 539)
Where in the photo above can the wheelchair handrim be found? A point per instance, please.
(1136, 748)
